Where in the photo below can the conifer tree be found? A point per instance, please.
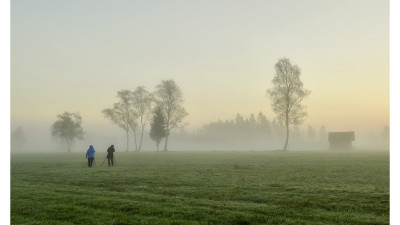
(158, 129)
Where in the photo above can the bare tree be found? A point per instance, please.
(142, 101)
(123, 115)
(287, 94)
(68, 127)
(158, 130)
(170, 98)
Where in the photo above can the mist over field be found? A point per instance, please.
(38, 139)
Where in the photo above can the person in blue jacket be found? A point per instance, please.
(90, 155)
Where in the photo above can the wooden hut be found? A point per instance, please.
(341, 140)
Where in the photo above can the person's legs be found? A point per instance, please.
(91, 162)
(108, 161)
(88, 162)
(112, 161)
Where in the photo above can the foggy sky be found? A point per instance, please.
(75, 56)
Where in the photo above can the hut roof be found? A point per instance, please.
(341, 136)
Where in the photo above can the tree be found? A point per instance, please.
(252, 121)
(170, 98)
(18, 139)
(123, 115)
(263, 124)
(68, 127)
(287, 94)
(158, 129)
(142, 101)
(239, 120)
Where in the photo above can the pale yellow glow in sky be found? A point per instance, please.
(75, 56)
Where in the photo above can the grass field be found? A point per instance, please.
(202, 188)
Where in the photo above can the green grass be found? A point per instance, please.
(202, 188)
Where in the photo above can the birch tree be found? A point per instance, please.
(142, 101)
(123, 115)
(287, 95)
(170, 98)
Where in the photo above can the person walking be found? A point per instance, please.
(90, 155)
(110, 155)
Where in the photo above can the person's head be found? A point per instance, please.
(112, 146)
(91, 147)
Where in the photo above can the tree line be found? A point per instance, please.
(134, 109)
(239, 125)
(259, 126)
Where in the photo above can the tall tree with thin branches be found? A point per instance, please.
(287, 95)
(169, 97)
(122, 114)
(142, 101)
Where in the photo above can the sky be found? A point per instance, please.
(75, 55)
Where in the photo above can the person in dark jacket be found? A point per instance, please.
(90, 155)
(110, 155)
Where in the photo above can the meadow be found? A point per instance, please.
(294, 187)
